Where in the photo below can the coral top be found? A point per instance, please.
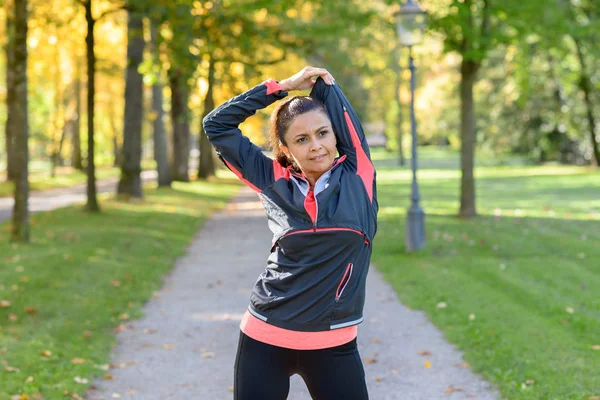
(275, 336)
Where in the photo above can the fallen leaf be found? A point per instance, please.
(124, 316)
(109, 377)
(5, 303)
(30, 310)
(115, 282)
(453, 389)
(442, 305)
(596, 347)
(378, 379)
(424, 353)
(208, 355)
(78, 361)
(394, 371)
(130, 393)
(149, 331)
(24, 278)
(11, 369)
(471, 317)
(370, 361)
(116, 396)
(46, 353)
(530, 381)
(230, 389)
(87, 334)
(463, 365)
(570, 310)
(12, 317)
(427, 364)
(168, 346)
(375, 340)
(80, 380)
(29, 379)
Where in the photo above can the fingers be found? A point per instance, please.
(322, 72)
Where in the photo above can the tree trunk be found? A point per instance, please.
(76, 159)
(468, 71)
(92, 200)
(131, 182)
(117, 147)
(206, 163)
(161, 155)
(181, 126)
(10, 92)
(586, 87)
(20, 218)
(397, 72)
(58, 131)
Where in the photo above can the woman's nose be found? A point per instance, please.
(315, 144)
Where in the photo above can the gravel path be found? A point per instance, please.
(184, 347)
(62, 197)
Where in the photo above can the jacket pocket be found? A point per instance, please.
(344, 282)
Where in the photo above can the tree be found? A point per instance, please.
(10, 90)
(588, 13)
(75, 121)
(92, 199)
(131, 182)
(206, 163)
(180, 118)
(467, 31)
(158, 125)
(20, 220)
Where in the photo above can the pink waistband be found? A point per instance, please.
(273, 335)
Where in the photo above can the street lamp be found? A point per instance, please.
(410, 23)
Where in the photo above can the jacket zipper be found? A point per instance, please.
(344, 282)
(328, 229)
(342, 158)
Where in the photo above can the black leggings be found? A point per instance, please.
(262, 371)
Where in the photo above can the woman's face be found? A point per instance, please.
(311, 143)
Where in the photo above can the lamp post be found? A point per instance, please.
(410, 23)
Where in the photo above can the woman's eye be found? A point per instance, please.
(323, 133)
(301, 140)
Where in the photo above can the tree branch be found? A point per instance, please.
(83, 3)
(252, 63)
(485, 24)
(112, 11)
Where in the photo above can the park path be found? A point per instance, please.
(61, 197)
(184, 346)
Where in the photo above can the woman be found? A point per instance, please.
(322, 209)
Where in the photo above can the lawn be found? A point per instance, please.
(40, 179)
(82, 276)
(517, 288)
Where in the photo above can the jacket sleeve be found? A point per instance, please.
(241, 156)
(351, 141)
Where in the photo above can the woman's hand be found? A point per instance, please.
(303, 79)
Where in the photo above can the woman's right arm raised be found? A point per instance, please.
(241, 156)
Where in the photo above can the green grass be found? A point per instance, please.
(40, 179)
(521, 282)
(83, 275)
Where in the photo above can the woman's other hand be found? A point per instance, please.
(303, 79)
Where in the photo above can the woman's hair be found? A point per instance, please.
(282, 117)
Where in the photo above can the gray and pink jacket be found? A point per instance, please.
(315, 276)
